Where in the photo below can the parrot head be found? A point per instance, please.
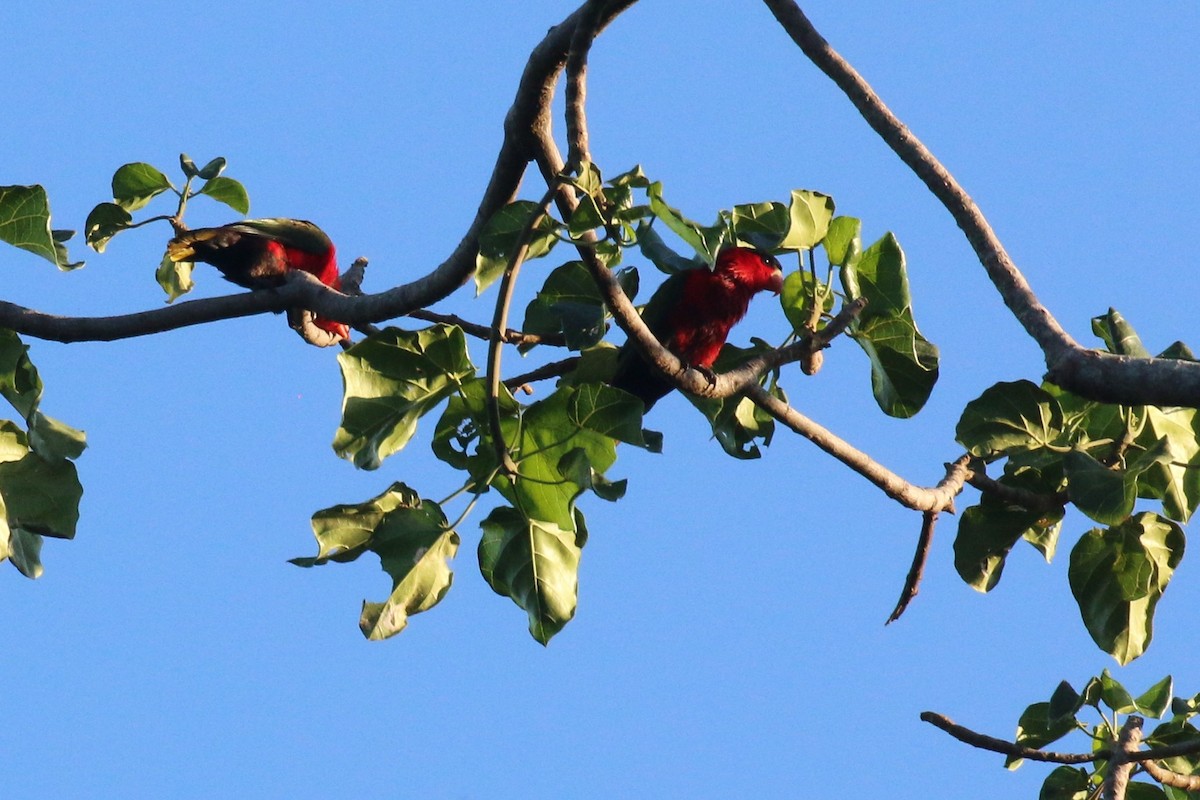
(751, 269)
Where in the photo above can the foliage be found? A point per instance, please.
(1045, 722)
(1101, 459)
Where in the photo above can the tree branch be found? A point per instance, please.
(912, 583)
(983, 742)
(1088, 373)
(527, 116)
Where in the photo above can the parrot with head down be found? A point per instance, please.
(692, 313)
(259, 254)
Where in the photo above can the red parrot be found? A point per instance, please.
(258, 254)
(692, 314)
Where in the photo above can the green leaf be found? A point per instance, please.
(570, 304)
(413, 543)
(809, 215)
(737, 423)
(1037, 729)
(1118, 335)
(1178, 350)
(1139, 790)
(1115, 695)
(1066, 783)
(1155, 701)
(175, 277)
(1104, 494)
(25, 223)
(415, 547)
(1176, 481)
(607, 411)
(1117, 576)
(188, 166)
(550, 429)
(904, 364)
(761, 225)
(20, 383)
(212, 169)
(41, 496)
(463, 439)
(390, 380)
(54, 440)
(843, 241)
(1009, 418)
(104, 222)
(499, 238)
(797, 300)
(1064, 702)
(534, 562)
(663, 257)
(227, 191)
(1108, 495)
(135, 185)
(880, 276)
(986, 534)
(576, 467)
(706, 241)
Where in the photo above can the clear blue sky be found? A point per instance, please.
(729, 640)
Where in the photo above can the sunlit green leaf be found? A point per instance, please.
(797, 299)
(391, 379)
(1009, 418)
(25, 223)
(534, 562)
(175, 277)
(1155, 701)
(135, 185)
(843, 241)
(1117, 576)
(809, 215)
(904, 364)
(54, 440)
(212, 169)
(705, 240)
(760, 225)
(227, 191)
(880, 276)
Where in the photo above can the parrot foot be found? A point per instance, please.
(708, 374)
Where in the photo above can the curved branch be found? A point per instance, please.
(526, 118)
(984, 742)
(1088, 373)
(937, 498)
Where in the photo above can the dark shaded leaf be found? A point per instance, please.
(228, 191)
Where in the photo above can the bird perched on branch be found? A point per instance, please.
(692, 313)
(259, 254)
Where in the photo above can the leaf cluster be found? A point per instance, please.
(1060, 449)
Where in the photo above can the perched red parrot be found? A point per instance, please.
(692, 314)
(258, 254)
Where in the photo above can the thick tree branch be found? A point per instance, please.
(528, 115)
(1088, 373)
(1189, 783)
(1119, 766)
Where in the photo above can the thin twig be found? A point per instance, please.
(984, 742)
(552, 370)
(500, 324)
(484, 332)
(912, 583)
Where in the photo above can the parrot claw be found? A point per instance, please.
(708, 374)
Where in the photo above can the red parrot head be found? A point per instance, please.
(749, 269)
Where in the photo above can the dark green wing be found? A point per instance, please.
(633, 373)
(298, 233)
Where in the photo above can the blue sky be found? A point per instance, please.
(729, 639)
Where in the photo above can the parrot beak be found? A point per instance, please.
(775, 283)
